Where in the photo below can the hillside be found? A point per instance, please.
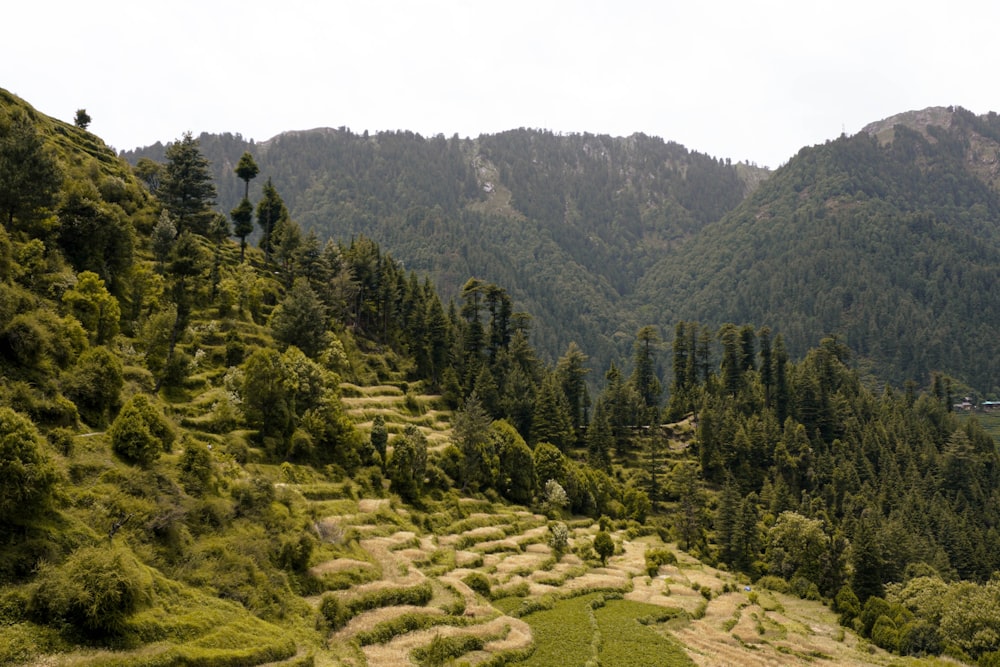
(567, 224)
(888, 239)
(298, 455)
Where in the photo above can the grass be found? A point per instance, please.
(627, 642)
(563, 633)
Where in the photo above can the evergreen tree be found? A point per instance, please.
(571, 371)
(781, 388)
(470, 433)
(766, 364)
(515, 464)
(643, 378)
(685, 486)
(82, 119)
(242, 217)
(271, 212)
(266, 400)
(29, 173)
(732, 364)
(746, 543)
(551, 421)
(163, 237)
(622, 403)
(727, 520)
(407, 465)
(300, 320)
(187, 190)
(600, 440)
(247, 170)
(380, 438)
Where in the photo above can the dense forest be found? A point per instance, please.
(568, 224)
(155, 375)
(888, 242)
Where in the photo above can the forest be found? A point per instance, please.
(889, 242)
(178, 443)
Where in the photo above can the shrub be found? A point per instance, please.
(478, 582)
(27, 477)
(772, 583)
(96, 589)
(605, 546)
(442, 649)
(132, 440)
(558, 538)
(847, 605)
(196, 467)
(884, 634)
(657, 558)
(94, 384)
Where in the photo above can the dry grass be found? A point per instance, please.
(397, 652)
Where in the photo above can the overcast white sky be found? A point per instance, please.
(742, 79)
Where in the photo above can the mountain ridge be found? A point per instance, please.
(613, 212)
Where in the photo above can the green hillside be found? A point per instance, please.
(567, 223)
(887, 239)
(297, 454)
(893, 245)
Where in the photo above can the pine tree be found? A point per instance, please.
(301, 320)
(247, 170)
(727, 519)
(643, 377)
(242, 217)
(470, 435)
(600, 440)
(271, 212)
(29, 173)
(379, 438)
(187, 190)
(571, 372)
(551, 421)
(766, 364)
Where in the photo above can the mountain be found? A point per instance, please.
(211, 457)
(567, 223)
(888, 238)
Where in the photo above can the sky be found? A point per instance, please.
(747, 80)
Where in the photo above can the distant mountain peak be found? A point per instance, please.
(915, 120)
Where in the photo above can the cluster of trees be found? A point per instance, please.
(795, 470)
(893, 246)
(890, 244)
(567, 223)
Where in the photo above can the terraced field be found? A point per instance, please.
(466, 581)
(496, 593)
(499, 595)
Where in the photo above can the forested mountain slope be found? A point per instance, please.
(887, 239)
(890, 240)
(297, 455)
(568, 224)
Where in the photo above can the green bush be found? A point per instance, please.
(773, 583)
(96, 590)
(140, 432)
(478, 582)
(27, 476)
(657, 558)
(94, 384)
(443, 649)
